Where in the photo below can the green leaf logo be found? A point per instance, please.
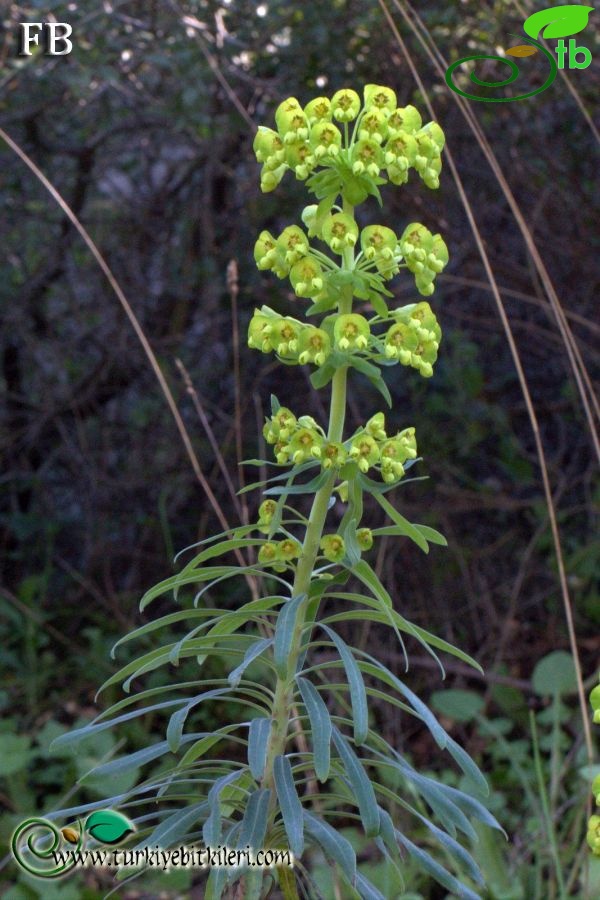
(108, 826)
(558, 21)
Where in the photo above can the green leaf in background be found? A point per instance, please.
(14, 753)
(108, 826)
(558, 21)
(555, 674)
(457, 704)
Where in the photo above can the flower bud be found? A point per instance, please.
(268, 553)
(351, 332)
(593, 835)
(345, 105)
(309, 218)
(268, 147)
(333, 547)
(299, 158)
(259, 332)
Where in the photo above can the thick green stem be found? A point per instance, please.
(283, 699)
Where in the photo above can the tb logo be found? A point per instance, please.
(55, 38)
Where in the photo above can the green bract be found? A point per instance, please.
(298, 692)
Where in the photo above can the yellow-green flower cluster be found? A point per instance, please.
(278, 553)
(415, 338)
(384, 136)
(372, 448)
(298, 440)
(292, 340)
(294, 440)
(425, 254)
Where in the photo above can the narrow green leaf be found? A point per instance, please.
(211, 830)
(367, 889)
(404, 526)
(289, 802)
(358, 695)
(431, 535)
(320, 723)
(206, 743)
(333, 844)
(252, 653)
(178, 719)
(433, 868)
(258, 742)
(284, 633)
(254, 823)
(176, 827)
(360, 783)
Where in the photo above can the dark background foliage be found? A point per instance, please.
(146, 131)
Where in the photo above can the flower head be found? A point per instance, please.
(376, 426)
(367, 158)
(284, 336)
(380, 244)
(292, 244)
(266, 511)
(333, 455)
(340, 231)
(318, 110)
(373, 126)
(351, 332)
(306, 276)
(305, 443)
(280, 426)
(292, 123)
(314, 345)
(268, 147)
(333, 547)
(300, 159)
(364, 450)
(399, 343)
(325, 139)
(259, 332)
(400, 151)
(380, 97)
(364, 537)
(289, 548)
(265, 250)
(345, 105)
(270, 178)
(406, 118)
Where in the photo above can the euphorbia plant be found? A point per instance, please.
(306, 761)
